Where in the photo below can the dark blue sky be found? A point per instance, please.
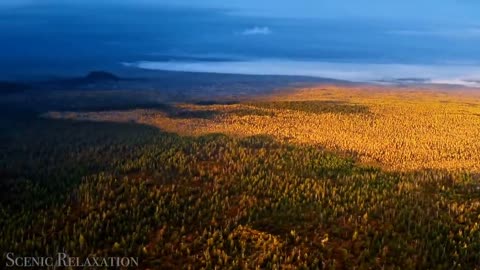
(428, 10)
(52, 36)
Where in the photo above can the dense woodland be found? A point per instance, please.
(219, 202)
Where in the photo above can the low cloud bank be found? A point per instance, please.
(467, 75)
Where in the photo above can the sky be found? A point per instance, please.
(441, 11)
(424, 10)
(52, 36)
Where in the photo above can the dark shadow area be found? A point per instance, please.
(102, 90)
(215, 102)
(316, 107)
(38, 151)
(259, 141)
(250, 111)
(186, 114)
(122, 107)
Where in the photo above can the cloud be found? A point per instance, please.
(257, 31)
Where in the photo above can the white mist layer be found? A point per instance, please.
(467, 75)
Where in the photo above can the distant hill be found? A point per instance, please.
(97, 76)
(93, 80)
(12, 87)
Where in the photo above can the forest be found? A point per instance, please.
(216, 201)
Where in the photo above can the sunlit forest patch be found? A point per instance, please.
(394, 128)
